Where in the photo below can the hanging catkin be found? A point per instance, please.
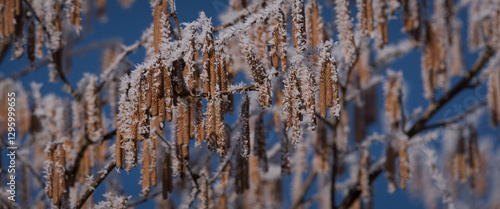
(245, 127)
(153, 166)
(390, 166)
(298, 25)
(365, 16)
(292, 104)
(364, 175)
(208, 52)
(241, 174)
(167, 174)
(380, 9)
(403, 163)
(344, 26)
(321, 149)
(259, 145)
(200, 122)
(327, 86)
(459, 158)
(393, 91)
(146, 172)
(494, 95)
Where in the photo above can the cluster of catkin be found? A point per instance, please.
(464, 161)
(215, 81)
(20, 111)
(299, 88)
(56, 187)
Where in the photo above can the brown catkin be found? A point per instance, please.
(157, 26)
(323, 90)
(245, 127)
(260, 142)
(390, 166)
(283, 46)
(101, 10)
(473, 153)
(403, 164)
(460, 159)
(494, 95)
(146, 166)
(382, 24)
(164, 112)
(331, 85)
(55, 183)
(364, 166)
(242, 174)
(78, 19)
(369, 15)
(214, 78)
(393, 90)
(49, 188)
(149, 81)
(31, 43)
(153, 167)
(185, 130)
(3, 32)
(211, 125)
(321, 149)
(208, 62)
(155, 92)
(40, 39)
(220, 128)
(276, 114)
(166, 174)
(200, 122)
(192, 116)
(169, 94)
(61, 173)
(118, 149)
(275, 55)
(298, 24)
(71, 11)
(314, 23)
(9, 17)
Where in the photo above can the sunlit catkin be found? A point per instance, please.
(365, 16)
(146, 173)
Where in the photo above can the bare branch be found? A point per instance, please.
(86, 194)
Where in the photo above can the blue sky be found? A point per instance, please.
(128, 25)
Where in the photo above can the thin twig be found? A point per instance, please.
(456, 118)
(305, 188)
(93, 186)
(143, 199)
